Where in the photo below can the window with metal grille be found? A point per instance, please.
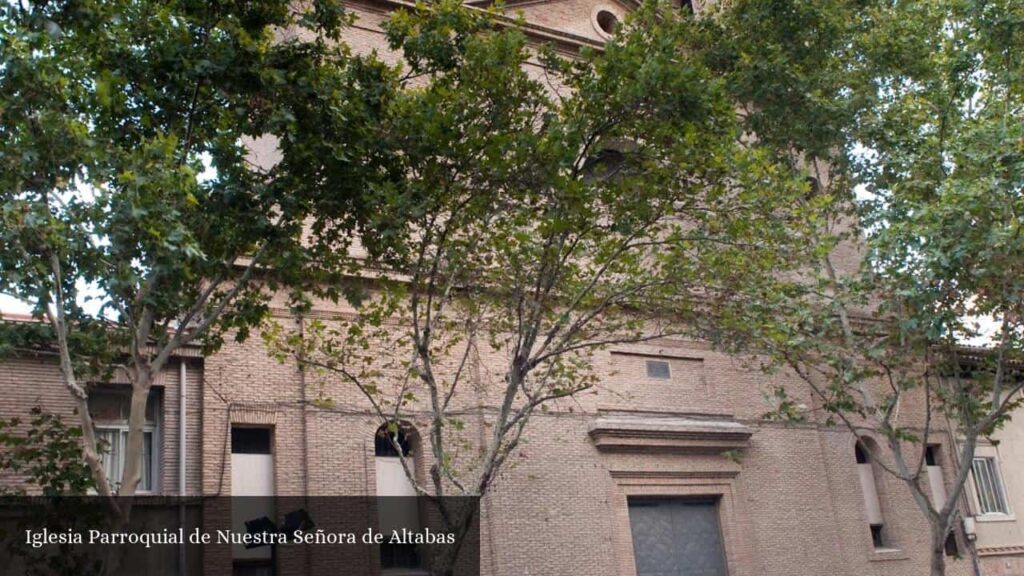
(658, 369)
(676, 537)
(989, 487)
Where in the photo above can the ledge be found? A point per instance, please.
(995, 517)
(1011, 550)
(668, 432)
(887, 554)
(675, 474)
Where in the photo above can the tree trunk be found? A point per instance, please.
(89, 451)
(81, 398)
(136, 424)
(445, 564)
(938, 559)
(132, 466)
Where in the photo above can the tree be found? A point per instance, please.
(924, 107)
(134, 221)
(48, 456)
(608, 198)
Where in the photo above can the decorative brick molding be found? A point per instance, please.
(624, 431)
(735, 543)
(1001, 550)
(253, 414)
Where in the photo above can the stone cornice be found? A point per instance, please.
(668, 432)
(541, 34)
(674, 474)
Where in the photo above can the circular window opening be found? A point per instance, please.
(607, 21)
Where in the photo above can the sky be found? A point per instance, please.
(12, 306)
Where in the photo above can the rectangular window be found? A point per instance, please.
(877, 537)
(110, 407)
(681, 537)
(658, 369)
(250, 440)
(989, 487)
(935, 477)
(113, 442)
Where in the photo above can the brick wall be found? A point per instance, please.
(792, 505)
(29, 381)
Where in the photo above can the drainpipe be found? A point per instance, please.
(182, 455)
(305, 431)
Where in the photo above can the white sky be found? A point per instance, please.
(12, 305)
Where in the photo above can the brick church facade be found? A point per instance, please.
(595, 480)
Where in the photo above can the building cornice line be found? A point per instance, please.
(535, 31)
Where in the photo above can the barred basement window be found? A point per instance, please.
(989, 487)
(658, 370)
